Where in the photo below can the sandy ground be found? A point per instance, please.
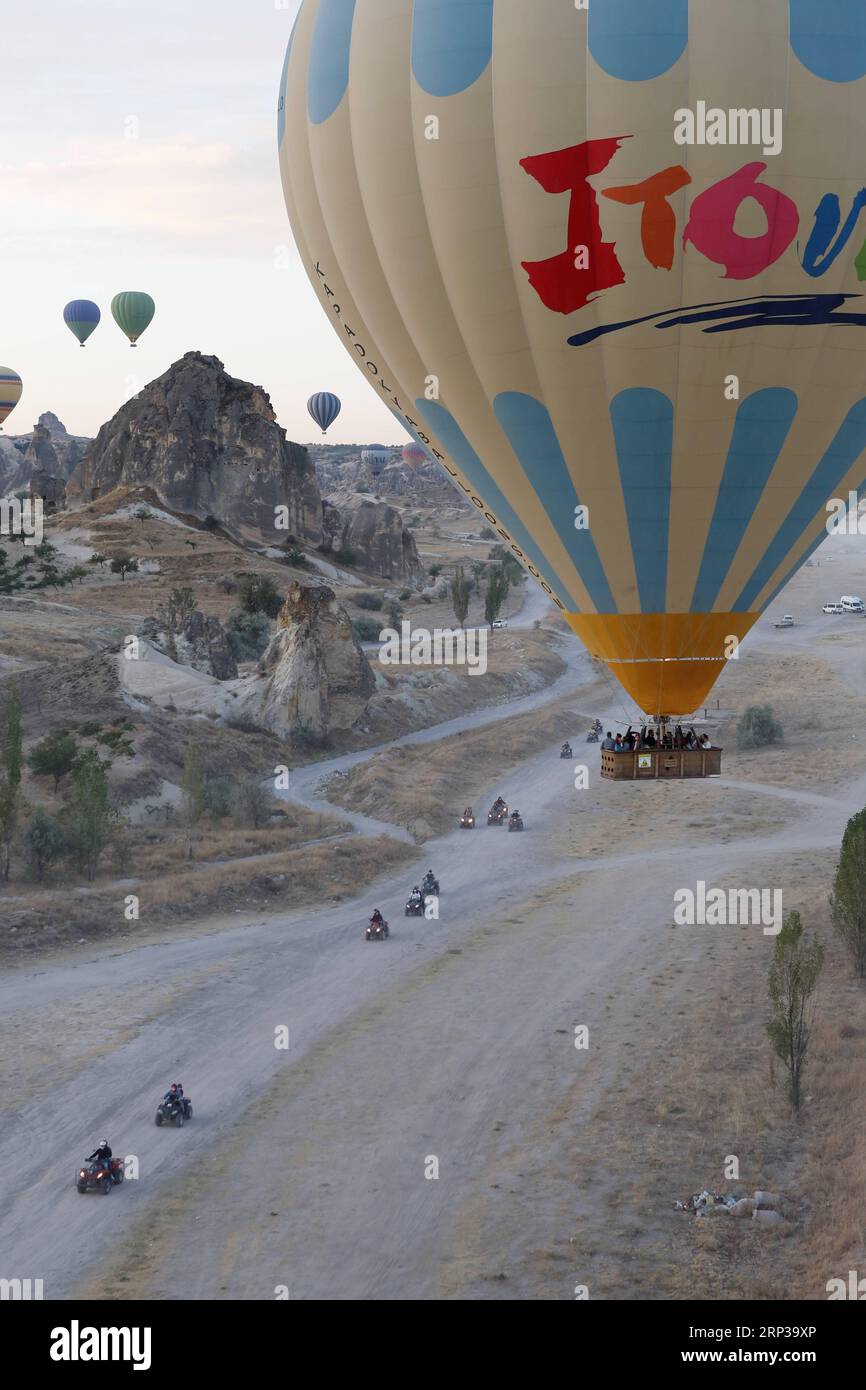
(452, 1045)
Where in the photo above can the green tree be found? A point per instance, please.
(252, 802)
(87, 812)
(54, 756)
(435, 571)
(124, 565)
(495, 594)
(393, 613)
(249, 634)
(97, 559)
(257, 593)
(759, 727)
(848, 899)
(460, 592)
(11, 760)
(179, 605)
(791, 986)
(44, 842)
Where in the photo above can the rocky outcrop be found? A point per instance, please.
(201, 642)
(49, 451)
(316, 678)
(209, 445)
(374, 535)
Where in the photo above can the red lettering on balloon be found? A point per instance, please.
(711, 224)
(560, 284)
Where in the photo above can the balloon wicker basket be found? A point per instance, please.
(661, 762)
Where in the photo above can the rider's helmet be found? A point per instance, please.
(173, 1086)
(103, 1143)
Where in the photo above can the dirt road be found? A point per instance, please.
(314, 1168)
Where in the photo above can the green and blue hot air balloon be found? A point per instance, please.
(81, 317)
(132, 311)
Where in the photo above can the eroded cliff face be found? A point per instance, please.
(317, 679)
(375, 535)
(208, 444)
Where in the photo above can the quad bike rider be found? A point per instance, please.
(103, 1173)
(174, 1106)
(497, 813)
(429, 884)
(415, 905)
(515, 821)
(377, 929)
(467, 821)
(592, 736)
(565, 750)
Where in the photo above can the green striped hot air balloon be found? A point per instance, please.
(132, 311)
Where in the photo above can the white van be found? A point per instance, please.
(852, 604)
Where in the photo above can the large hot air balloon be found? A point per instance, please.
(414, 455)
(81, 317)
(630, 323)
(376, 460)
(324, 408)
(132, 311)
(10, 392)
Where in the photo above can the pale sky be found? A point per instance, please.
(190, 210)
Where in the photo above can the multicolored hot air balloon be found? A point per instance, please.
(81, 317)
(414, 455)
(132, 312)
(324, 408)
(10, 392)
(376, 460)
(630, 323)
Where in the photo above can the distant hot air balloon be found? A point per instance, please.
(414, 455)
(324, 408)
(132, 311)
(81, 317)
(645, 323)
(375, 459)
(10, 392)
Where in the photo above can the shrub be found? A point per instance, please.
(366, 629)
(53, 756)
(259, 594)
(252, 802)
(218, 796)
(368, 600)
(44, 842)
(248, 634)
(758, 728)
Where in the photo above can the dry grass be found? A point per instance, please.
(425, 788)
(285, 882)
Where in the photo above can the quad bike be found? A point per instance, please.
(515, 823)
(415, 909)
(565, 751)
(497, 815)
(94, 1177)
(430, 887)
(377, 931)
(467, 822)
(178, 1111)
(592, 736)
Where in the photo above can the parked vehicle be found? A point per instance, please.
(785, 621)
(833, 608)
(852, 604)
(93, 1177)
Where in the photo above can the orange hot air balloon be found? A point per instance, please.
(632, 331)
